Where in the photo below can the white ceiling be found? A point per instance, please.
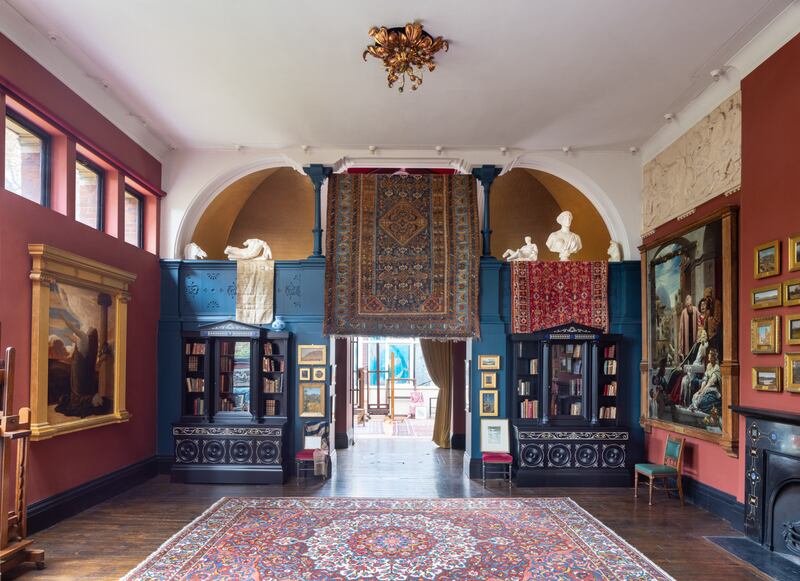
(533, 74)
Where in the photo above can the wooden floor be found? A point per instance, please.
(109, 539)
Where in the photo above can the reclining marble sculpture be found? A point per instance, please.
(254, 249)
(529, 252)
(193, 252)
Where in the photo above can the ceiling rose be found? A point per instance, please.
(405, 52)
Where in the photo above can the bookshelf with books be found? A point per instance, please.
(568, 420)
(235, 415)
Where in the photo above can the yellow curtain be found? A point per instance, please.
(439, 361)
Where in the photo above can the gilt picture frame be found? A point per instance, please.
(311, 400)
(488, 380)
(791, 372)
(489, 402)
(792, 329)
(791, 293)
(794, 253)
(312, 354)
(767, 378)
(305, 374)
(78, 342)
(765, 335)
(766, 297)
(488, 362)
(767, 259)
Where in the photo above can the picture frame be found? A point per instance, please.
(767, 378)
(489, 402)
(794, 253)
(488, 362)
(77, 304)
(488, 380)
(765, 297)
(791, 292)
(793, 329)
(312, 354)
(765, 335)
(791, 372)
(696, 258)
(494, 436)
(305, 374)
(311, 400)
(318, 373)
(767, 259)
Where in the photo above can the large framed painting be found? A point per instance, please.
(78, 342)
(689, 301)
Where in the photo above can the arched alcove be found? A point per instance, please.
(273, 204)
(525, 202)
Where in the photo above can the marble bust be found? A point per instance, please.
(529, 252)
(254, 249)
(564, 242)
(614, 252)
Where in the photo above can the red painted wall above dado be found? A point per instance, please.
(769, 210)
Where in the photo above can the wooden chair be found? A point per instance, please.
(671, 468)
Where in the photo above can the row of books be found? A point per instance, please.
(610, 352)
(529, 409)
(569, 365)
(524, 388)
(193, 363)
(226, 364)
(224, 383)
(610, 367)
(575, 409)
(608, 413)
(270, 348)
(195, 384)
(271, 407)
(572, 387)
(573, 349)
(610, 388)
(198, 406)
(226, 405)
(272, 364)
(227, 348)
(195, 348)
(272, 385)
(533, 367)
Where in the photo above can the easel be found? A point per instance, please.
(14, 547)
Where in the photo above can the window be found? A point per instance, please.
(27, 159)
(134, 218)
(88, 193)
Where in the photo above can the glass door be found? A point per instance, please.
(568, 362)
(233, 377)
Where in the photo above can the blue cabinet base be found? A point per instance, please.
(228, 474)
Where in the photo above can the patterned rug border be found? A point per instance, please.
(478, 503)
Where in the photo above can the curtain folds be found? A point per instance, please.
(438, 357)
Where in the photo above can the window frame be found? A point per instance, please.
(101, 189)
(140, 198)
(45, 161)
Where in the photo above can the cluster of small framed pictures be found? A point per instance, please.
(765, 332)
(312, 361)
(489, 365)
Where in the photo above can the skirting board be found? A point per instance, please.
(716, 502)
(47, 512)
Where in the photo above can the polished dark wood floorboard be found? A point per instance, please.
(109, 539)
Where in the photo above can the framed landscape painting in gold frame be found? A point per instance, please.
(489, 402)
(791, 372)
(794, 253)
(765, 297)
(793, 329)
(311, 354)
(688, 274)
(767, 378)
(78, 342)
(488, 362)
(765, 335)
(767, 259)
(791, 292)
(311, 400)
(488, 380)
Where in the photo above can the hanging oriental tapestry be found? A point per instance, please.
(402, 256)
(547, 294)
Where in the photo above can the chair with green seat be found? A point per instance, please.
(671, 468)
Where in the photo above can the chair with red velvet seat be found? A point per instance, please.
(315, 455)
(495, 450)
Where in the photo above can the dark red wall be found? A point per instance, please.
(67, 461)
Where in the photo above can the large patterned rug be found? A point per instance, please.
(402, 256)
(341, 539)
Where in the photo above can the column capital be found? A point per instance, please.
(318, 174)
(486, 174)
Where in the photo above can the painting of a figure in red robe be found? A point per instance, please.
(684, 281)
(80, 353)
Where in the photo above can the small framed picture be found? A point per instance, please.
(305, 374)
(794, 253)
(765, 335)
(793, 329)
(489, 380)
(311, 354)
(765, 297)
(791, 292)
(488, 362)
(767, 378)
(767, 259)
(318, 374)
(791, 372)
(311, 402)
(494, 436)
(489, 402)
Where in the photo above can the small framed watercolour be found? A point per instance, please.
(488, 362)
(794, 253)
(791, 372)
(767, 378)
(489, 402)
(765, 297)
(793, 329)
(488, 380)
(305, 374)
(318, 374)
(311, 354)
(312, 400)
(791, 292)
(767, 259)
(494, 436)
(765, 335)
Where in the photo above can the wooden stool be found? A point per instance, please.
(495, 460)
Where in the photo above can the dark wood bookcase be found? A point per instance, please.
(234, 405)
(568, 408)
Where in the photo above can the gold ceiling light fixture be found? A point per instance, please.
(405, 52)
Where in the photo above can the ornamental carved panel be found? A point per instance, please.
(703, 163)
